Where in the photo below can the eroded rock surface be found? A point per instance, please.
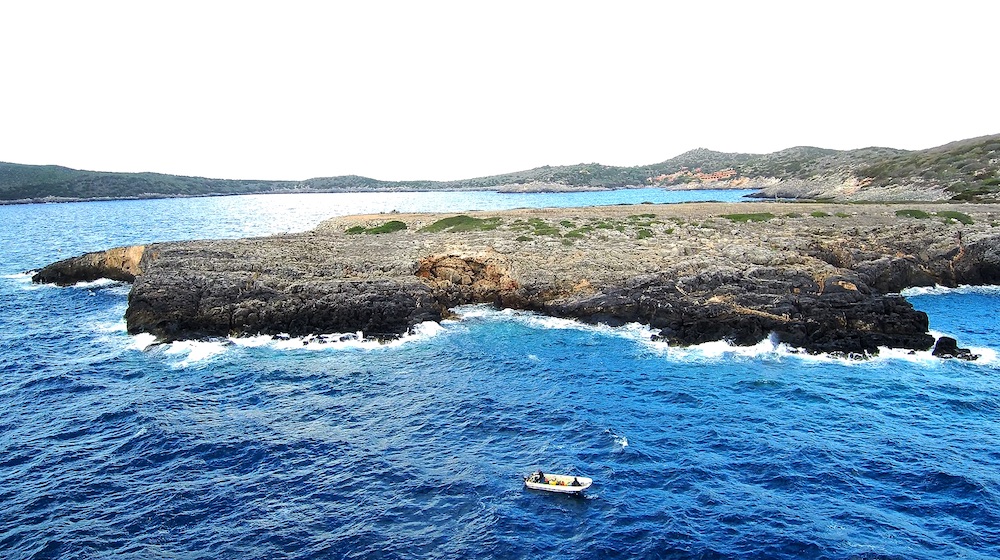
(121, 263)
(820, 277)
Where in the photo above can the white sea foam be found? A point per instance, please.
(766, 350)
(942, 290)
(619, 441)
(769, 348)
(338, 341)
(252, 341)
(422, 331)
(902, 354)
(195, 351)
(24, 279)
(190, 351)
(721, 349)
(111, 327)
(334, 341)
(987, 356)
(110, 334)
(98, 284)
(484, 311)
(142, 342)
(536, 320)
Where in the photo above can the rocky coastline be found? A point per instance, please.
(820, 277)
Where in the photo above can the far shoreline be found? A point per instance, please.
(569, 190)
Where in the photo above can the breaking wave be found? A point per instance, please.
(943, 290)
(262, 447)
(768, 348)
(193, 352)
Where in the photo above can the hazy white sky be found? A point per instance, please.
(450, 90)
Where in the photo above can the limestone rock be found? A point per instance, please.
(121, 263)
(825, 284)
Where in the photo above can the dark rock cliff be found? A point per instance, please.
(822, 284)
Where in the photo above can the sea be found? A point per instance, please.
(338, 446)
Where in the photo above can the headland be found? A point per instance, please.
(821, 277)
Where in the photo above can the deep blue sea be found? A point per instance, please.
(113, 447)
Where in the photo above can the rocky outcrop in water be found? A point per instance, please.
(947, 347)
(818, 277)
(121, 263)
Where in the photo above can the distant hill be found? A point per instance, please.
(963, 170)
(51, 182)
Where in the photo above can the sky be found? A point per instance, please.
(446, 90)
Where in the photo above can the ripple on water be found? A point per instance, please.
(111, 446)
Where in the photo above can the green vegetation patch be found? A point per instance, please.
(457, 224)
(967, 168)
(757, 217)
(842, 215)
(548, 230)
(643, 220)
(912, 213)
(541, 227)
(643, 233)
(953, 215)
(388, 227)
(819, 214)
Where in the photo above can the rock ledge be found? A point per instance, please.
(817, 276)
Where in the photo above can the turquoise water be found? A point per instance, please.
(343, 448)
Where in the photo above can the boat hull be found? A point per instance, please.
(560, 483)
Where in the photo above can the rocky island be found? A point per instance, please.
(817, 276)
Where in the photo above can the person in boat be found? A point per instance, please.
(537, 476)
(575, 482)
